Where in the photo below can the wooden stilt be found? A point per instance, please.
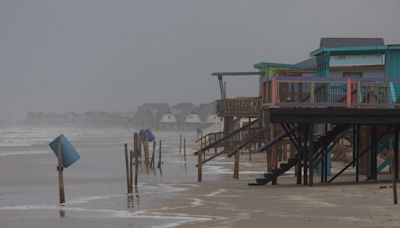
(357, 160)
(394, 184)
(305, 153)
(374, 150)
(300, 158)
(396, 152)
(236, 166)
(199, 166)
(311, 154)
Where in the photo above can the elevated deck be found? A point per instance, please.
(239, 107)
(331, 100)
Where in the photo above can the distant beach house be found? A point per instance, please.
(148, 115)
(187, 116)
(208, 113)
(168, 121)
(182, 116)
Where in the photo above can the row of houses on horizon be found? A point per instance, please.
(182, 116)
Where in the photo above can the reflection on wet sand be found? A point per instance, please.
(62, 212)
(133, 199)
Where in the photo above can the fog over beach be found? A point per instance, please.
(99, 71)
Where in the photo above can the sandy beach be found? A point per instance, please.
(171, 197)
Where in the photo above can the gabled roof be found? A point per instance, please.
(182, 110)
(143, 115)
(350, 42)
(158, 109)
(150, 112)
(312, 62)
(207, 109)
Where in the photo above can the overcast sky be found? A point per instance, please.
(80, 55)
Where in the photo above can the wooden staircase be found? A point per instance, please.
(322, 142)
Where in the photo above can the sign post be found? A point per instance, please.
(60, 169)
(66, 156)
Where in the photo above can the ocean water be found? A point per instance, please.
(95, 185)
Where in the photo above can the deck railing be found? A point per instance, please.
(243, 107)
(288, 91)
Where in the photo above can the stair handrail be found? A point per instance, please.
(227, 136)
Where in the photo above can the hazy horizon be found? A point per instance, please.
(60, 56)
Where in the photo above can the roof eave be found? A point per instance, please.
(356, 49)
(264, 65)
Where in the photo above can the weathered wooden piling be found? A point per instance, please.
(236, 166)
(127, 169)
(152, 165)
(180, 143)
(199, 166)
(159, 155)
(60, 169)
(145, 143)
(215, 147)
(131, 161)
(184, 149)
(136, 152)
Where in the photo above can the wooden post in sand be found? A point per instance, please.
(159, 155)
(136, 152)
(60, 172)
(128, 184)
(130, 171)
(180, 143)
(199, 166)
(236, 166)
(184, 149)
(152, 165)
(146, 151)
(215, 147)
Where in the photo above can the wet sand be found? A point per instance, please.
(96, 194)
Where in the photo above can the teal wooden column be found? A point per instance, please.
(323, 60)
(392, 63)
(221, 87)
(392, 69)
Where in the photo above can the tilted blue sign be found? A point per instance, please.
(68, 153)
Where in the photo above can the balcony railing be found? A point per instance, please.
(325, 92)
(243, 107)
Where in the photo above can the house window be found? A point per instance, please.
(352, 74)
(169, 117)
(340, 57)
